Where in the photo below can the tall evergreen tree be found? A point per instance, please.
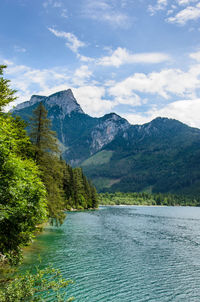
(47, 154)
(43, 138)
(6, 94)
(79, 192)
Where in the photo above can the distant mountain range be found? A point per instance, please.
(160, 156)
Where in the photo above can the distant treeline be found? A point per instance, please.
(135, 198)
(80, 194)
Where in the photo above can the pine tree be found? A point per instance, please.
(46, 153)
(42, 137)
(79, 192)
(6, 94)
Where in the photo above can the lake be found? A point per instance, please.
(125, 254)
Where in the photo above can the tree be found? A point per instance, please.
(22, 207)
(6, 94)
(46, 154)
(22, 194)
(43, 138)
(79, 192)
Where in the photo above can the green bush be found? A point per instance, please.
(35, 287)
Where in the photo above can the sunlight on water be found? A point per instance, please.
(126, 254)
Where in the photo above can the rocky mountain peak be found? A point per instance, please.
(108, 127)
(65, 100)
(114, 117)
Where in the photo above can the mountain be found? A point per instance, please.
(160, 156)
(80, 134)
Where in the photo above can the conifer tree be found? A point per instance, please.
(79, 192)
(6, 94)
(46, 153)
(43, 138)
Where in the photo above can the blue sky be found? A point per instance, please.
(138, 58)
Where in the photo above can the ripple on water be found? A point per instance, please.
(126, 254)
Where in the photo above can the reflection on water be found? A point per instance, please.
(126, 254)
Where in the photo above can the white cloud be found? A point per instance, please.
(160, 5)
(64, 13)
(163, 83)
(182, 11)
(83, 72)
(7, 62)
(186, 111)
(185, 2)
(19, 49)
(185, 15)
(56, 5)
(85, 59)
(105, 11)
(195, 56)
(166, 84)
(72, 41)
(29, 81)
(91, 99)
(132, 100)
(123, 56)
(52, 3)
(81, 75)
(137, 118)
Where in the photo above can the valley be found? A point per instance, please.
(160, 156)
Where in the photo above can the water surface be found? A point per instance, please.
(126, 254)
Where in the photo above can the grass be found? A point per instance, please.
(100, 158)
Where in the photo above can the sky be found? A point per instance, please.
(137, 58)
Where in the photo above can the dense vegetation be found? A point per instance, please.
(119, 198)
(79, 192)
(35, 287)
(34, 182)
(69, 187)
(22, 193)
(35, 185)
(160, 156)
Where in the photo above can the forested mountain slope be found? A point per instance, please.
(160, 156)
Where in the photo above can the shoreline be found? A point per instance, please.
(145, 205)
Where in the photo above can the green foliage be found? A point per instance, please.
(6, 94)
(35, 287)
(163, 155)
(46, 153)
(79, 192)
(43, 138)
(52, 175)
(102, 157)
(134, 198)
(22, 194)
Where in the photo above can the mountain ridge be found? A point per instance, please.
(161, 155)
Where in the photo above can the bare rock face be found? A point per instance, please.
(81, 135)
(160, 156)
(107, 129)
(34, 99)
(65, 100)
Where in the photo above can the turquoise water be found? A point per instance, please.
(126, 254)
